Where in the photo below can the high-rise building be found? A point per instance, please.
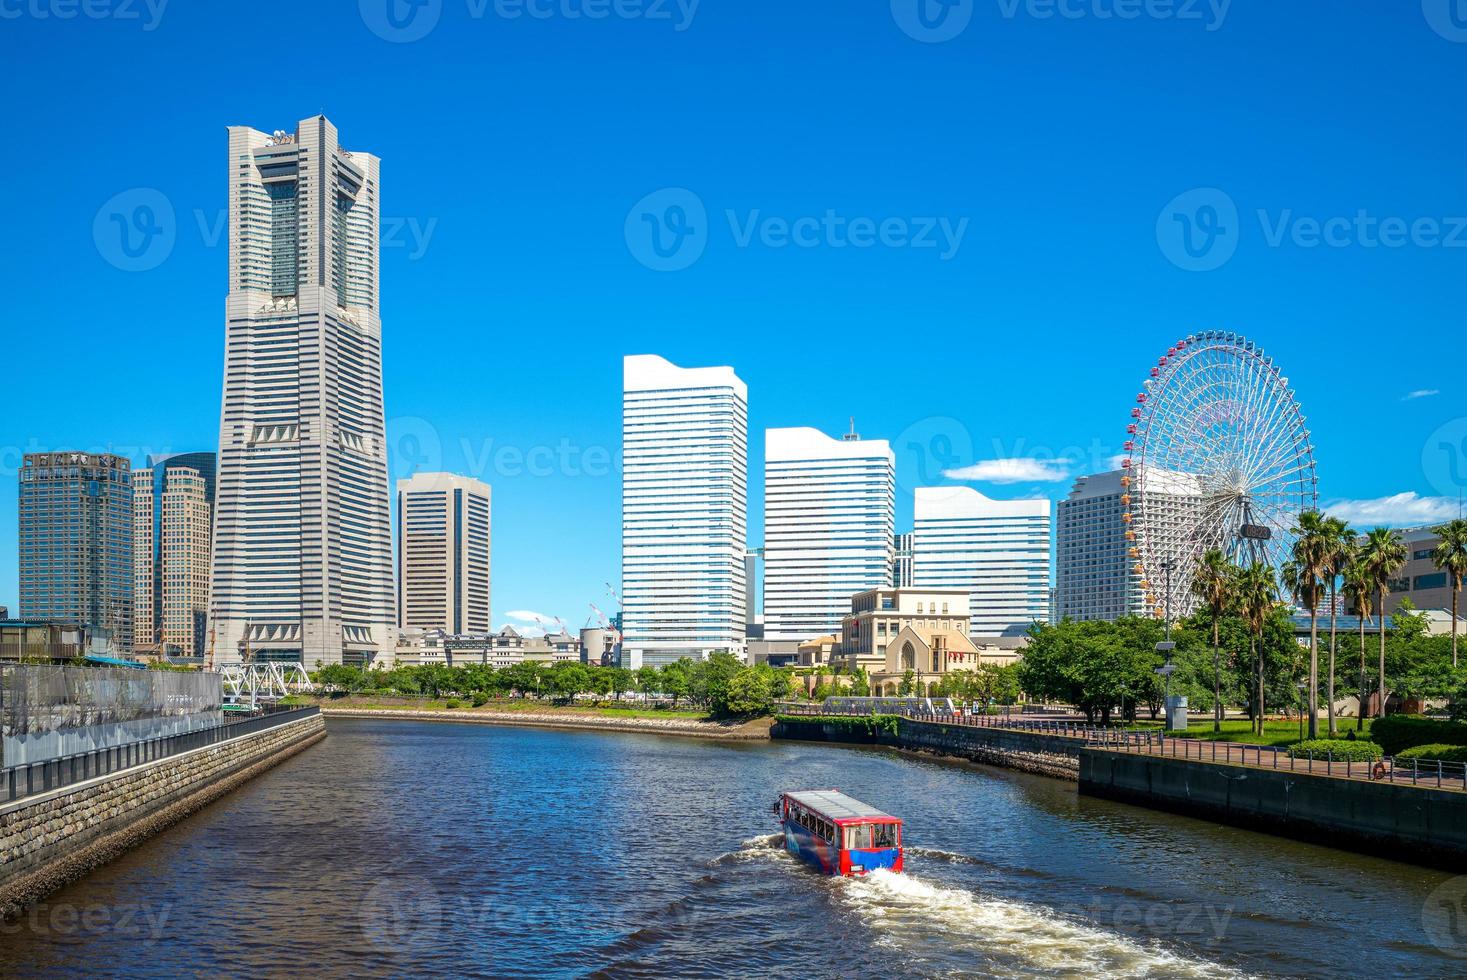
(173, 522)
(829, 514)
(1096, 577)
(996, 549)
(443, 553)
(901, 565)
(75, 541)
(684, 499)
(303, 539)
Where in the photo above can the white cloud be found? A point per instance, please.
(1398, 510)
(531, 623)
(1114, 463)
(1018, 470)
(1419, 393)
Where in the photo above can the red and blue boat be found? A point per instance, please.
(839, 835)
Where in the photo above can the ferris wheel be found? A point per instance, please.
(1217, 456)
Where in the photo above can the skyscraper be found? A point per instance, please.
(1096, 576)
(76, 541)
(443, 553)
(685, 493)
(829, 514)
(303, 541)
(996, 549)
(173, 521)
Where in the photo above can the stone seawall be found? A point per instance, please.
(1408, 823)
(1032, 752)
(51, 839)
(745, 731)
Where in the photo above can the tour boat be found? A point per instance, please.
(837, 834)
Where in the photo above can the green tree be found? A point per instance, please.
(1359, 592)
(676, 680)
(1382, 554)
(1254, 595)
(1339, 548)
(747, 693)
(1311, 561)
(341, 680)
(1212, 586)
(1451, 557)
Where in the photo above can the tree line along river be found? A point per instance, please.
(409, 849)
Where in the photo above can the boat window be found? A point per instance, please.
(884, 835)
(859, 837)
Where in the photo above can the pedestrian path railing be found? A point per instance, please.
(18, 782)
(1415, 772)
(1073, 727)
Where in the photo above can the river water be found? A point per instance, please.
(413, 849)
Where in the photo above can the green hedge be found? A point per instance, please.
(867, 724)
(1339, 749)
(1435, 753)
(1397, 733)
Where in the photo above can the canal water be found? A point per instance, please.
(421, 849)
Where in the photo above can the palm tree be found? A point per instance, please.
(1359, 591)
(1383, 554)
(1451, 557)
(1212, 584)
(1311, 558)
(1254, 593)
(1339, 553)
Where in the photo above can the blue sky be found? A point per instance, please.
(1054, 135)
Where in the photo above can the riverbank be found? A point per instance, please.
(607, 720)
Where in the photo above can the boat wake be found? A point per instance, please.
(994, 936)
(768, 847)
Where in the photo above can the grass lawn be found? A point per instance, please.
(1274, 732)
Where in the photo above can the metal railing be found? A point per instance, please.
(1414, 772)
(21, 781)
(1065, 728)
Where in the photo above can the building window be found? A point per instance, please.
(1437, 580)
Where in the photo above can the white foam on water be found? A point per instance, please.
(994, 935)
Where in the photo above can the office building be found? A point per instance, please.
(173, 519)
(1419, 580)
(829, 512)
(901, 564)
(443, 553)
(996, 549)
(75, 543)
(302, 567)
(1096, 568)
(684, 511)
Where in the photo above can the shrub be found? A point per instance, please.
(453, 703)
(479, 699)
(1396, 733)
(1434, 753)
(1337, 748)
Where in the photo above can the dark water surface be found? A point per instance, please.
(413, 849)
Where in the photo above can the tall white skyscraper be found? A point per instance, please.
(829, 514)
(443, 553)
(303, 542)
(996, 549)
(1097, 574)
(684, 499)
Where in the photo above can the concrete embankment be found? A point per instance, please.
(52, 838)
(1420, 824)
(1033, 752)
(695, 728)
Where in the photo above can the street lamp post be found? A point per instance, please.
(1176, 707)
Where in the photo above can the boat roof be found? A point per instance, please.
(837, 805)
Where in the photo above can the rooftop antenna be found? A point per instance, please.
(853, 435)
